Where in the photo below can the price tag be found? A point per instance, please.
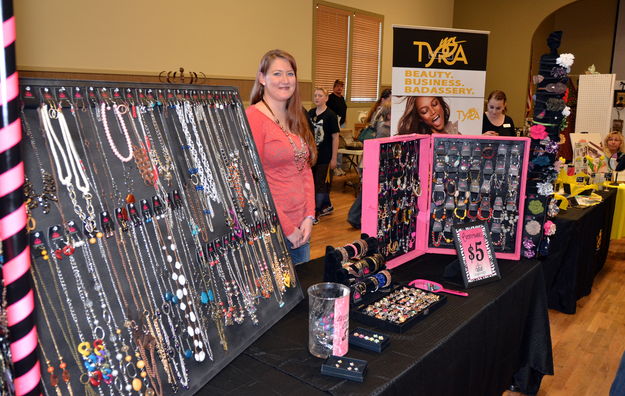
(475, 253)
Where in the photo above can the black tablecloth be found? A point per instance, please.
(578, 251)
(476, 345)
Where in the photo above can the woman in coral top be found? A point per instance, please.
(286, 147)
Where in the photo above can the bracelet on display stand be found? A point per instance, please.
(336, 258)
(488, 152)
(371, 284)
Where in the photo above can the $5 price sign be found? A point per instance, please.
(476, 252)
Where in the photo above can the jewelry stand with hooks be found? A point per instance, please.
(156, 245)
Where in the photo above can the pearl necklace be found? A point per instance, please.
(119, 111)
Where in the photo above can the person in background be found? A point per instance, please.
(286, 148)
(326, 132)
(385, 97)
(379, 116)
(426, 115)
(336, 103)
(614, 149)
(383, 121)
(496, 122)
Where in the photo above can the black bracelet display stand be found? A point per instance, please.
(157, 252)
(333, 269)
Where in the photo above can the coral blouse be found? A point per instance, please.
(293, 191)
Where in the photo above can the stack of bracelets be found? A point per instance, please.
(363, 274)
(475, 180)
(398, 189)
(355, 250)
(370, 284)
(365, 266)
(401, 305)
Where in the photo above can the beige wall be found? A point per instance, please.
(223, 39)
(539, 42)
(219, 38)
(588, 33)
(512, 25)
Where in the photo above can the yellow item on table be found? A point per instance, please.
(618, 222)
(564, 202)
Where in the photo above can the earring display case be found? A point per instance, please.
(416, 188)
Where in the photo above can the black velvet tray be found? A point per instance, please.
(358, 312)
(344, 367)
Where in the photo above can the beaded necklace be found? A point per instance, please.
(62, 365)
(119, 111)
(300, 156)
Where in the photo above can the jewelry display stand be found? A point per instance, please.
(334, 259)
(157, 253)
(549, 120)
(417, 187)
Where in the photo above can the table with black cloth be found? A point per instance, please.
(577, 253)
(476, 345)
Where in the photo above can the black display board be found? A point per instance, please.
(157, 253)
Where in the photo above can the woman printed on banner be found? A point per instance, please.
(426, 115)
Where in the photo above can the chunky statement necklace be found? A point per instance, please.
(301, 154)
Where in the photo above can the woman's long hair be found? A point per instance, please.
(385, 94)
(296, 118)
(411, 122)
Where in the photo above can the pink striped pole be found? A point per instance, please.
(15, 272)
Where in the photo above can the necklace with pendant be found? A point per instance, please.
(300, 155)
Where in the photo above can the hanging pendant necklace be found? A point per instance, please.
(301, 155)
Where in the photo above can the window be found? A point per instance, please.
(347, 46)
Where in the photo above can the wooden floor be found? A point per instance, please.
(587, 346)
(333, 229)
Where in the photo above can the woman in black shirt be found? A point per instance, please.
(496, 122)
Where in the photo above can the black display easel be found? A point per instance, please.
(241, 242)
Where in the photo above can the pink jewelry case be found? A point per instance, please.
(438, 155)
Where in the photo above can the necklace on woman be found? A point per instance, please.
(301, 154)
